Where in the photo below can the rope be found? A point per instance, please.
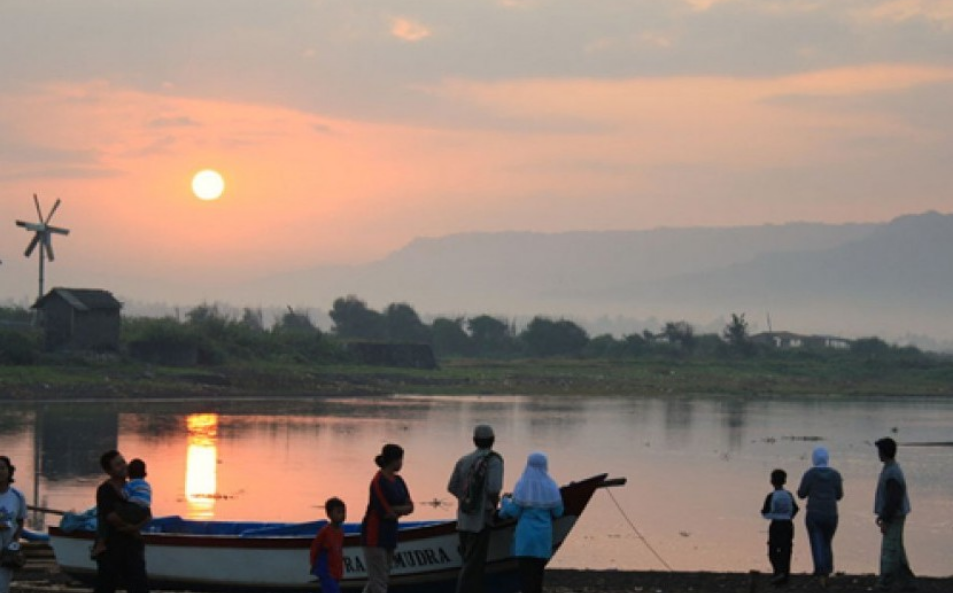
(637, 533)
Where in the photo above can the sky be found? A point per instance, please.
(344, 129)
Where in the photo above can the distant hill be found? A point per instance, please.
(854, 279)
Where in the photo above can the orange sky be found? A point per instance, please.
(342, 159)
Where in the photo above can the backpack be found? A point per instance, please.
(474, 485)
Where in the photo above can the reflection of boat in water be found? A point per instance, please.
(220, 555)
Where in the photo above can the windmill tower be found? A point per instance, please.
(42, 236)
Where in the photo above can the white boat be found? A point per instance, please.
(232, 556)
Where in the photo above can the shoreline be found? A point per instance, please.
(43, 576)
(95, 380)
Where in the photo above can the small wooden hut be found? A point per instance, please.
(80, 319)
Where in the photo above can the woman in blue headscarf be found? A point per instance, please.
(536, 502)
(822, 486)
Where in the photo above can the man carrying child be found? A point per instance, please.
(123, 552)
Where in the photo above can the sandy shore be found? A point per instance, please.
(592, 581)
(43, 577)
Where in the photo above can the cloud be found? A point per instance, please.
(703, 5)
(938, 11)
(716, 121)
(180, 121)
(408, 30)
(64, 173)
(517, 4)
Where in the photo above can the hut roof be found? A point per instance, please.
(82, 299)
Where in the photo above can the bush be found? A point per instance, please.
(19, 347)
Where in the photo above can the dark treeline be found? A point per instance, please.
(214, 334)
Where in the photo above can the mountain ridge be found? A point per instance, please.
(828, 277)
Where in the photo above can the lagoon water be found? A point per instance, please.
(697, 467)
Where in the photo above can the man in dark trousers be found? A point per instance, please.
(476, 482)
(892, 505)
(124, 558)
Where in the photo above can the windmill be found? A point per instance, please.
(43, 234)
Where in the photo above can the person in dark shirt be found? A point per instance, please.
(124, 556)
(892, 505)
(780, 508)
(389, 499)
(822, 486)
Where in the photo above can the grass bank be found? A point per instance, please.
(777, 376)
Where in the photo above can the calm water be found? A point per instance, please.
(697, 467)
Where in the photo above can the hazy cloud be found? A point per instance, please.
(938, 11)
(408, 30)
(180, 121)
(48, 173)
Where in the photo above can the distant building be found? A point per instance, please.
(781, 340)
(789, 340)
(79, 319)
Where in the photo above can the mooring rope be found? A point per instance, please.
(637, 533)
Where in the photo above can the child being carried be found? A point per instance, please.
(138, 495)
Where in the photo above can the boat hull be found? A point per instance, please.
(426, 560)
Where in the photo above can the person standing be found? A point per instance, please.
(389, 499)
(822, 486)
(476, 482)
(780, 508)
(12, 515)
(536, 502)
(892, 505)
(124, 556)
(327, 548)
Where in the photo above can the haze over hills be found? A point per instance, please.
(891, 279)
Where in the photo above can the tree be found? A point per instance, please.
(207, 315)
(490, 336)
(545, 337)
(634, 345)
(404, 325)
(449, 337)
(294, 321)
(602, 346)
(871, 347)
(680, 333)
(736, 335)
(253, 319)
(353, 319)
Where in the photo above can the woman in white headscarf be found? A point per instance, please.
(536, 502)
(822, 486)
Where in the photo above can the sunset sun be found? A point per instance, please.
(208, 185)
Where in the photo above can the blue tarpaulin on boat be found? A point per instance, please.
(86, 521)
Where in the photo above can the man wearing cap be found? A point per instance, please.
(476, 482)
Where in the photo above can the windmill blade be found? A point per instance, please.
(55, 206)
(32, 245)
(58, 230)
(36, 202)
(48, 245)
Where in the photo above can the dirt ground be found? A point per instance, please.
(592, 581)
(42, 576)
(48, 580)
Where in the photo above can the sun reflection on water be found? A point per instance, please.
(201, 465)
